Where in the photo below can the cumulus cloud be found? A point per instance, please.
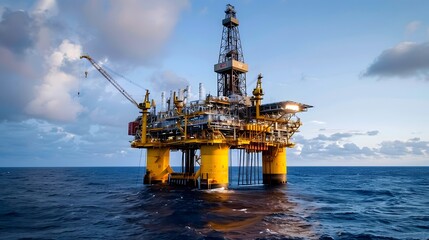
(36, 82)
(22, 56)
(53, 99)
(407, 59)
(39, 49)
(133, 31)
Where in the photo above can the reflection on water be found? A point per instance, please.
(254, 212)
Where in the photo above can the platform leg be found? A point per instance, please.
(214, 166)
(274, 166)
(158, 160)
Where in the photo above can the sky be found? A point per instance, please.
(363, 65)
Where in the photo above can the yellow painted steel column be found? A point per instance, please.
(157, 165)
(214, 166)
(274, 166)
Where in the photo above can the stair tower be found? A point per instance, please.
(231, 69)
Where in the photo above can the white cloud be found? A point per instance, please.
(133, 31)
(53, 98)
(130, 32)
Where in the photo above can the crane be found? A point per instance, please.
(144, 106)
(111, 80)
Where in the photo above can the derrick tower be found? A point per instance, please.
(231, 69)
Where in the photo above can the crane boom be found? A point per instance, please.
(111, 80)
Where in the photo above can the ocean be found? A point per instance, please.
(316, 203)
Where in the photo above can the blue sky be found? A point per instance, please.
(364, 65)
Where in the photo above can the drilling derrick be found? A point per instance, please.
(231, 69)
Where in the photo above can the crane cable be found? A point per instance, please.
(125, 78)
(109, 78)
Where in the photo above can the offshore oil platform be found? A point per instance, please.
(207, 130)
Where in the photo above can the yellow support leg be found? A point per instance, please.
(214, 166)
(274, 166)
(157, 165)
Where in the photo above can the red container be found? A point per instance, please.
(132, 128)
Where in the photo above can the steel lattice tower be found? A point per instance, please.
(231, 69)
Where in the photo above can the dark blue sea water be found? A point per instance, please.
(316, 203)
